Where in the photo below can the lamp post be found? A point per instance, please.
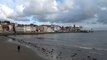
(14, 30)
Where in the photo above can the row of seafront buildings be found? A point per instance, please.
(6, 26)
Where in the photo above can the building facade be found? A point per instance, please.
(1, 30)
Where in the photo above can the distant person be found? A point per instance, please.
(18, 48)
(14, 30)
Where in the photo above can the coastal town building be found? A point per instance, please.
(25, 28)
(48, 28)
(34, 28)
(45, 28)
(19, 28)
(70, 28)
(1, 30)
(40, 29)
(10, 27)
(6, 26)
(56, 28)
(76, 28)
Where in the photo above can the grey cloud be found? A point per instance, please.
(86, 10)
(64, 17)
(103, 17)
(21, 19)
(70, 11)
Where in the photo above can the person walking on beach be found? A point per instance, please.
(18, 48)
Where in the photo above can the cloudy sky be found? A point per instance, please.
(87, 13)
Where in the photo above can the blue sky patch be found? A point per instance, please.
(60, 1)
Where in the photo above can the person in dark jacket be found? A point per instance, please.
(18, 48)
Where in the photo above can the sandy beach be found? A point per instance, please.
(8, 51)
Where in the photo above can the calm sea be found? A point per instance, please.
(94, 40)
(64, 45)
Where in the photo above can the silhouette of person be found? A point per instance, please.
(18, 48)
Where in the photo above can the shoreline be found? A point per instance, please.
(8, 51)
(37, 33)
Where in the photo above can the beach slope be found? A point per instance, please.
(8, 51)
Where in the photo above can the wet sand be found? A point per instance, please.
(8, 51)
